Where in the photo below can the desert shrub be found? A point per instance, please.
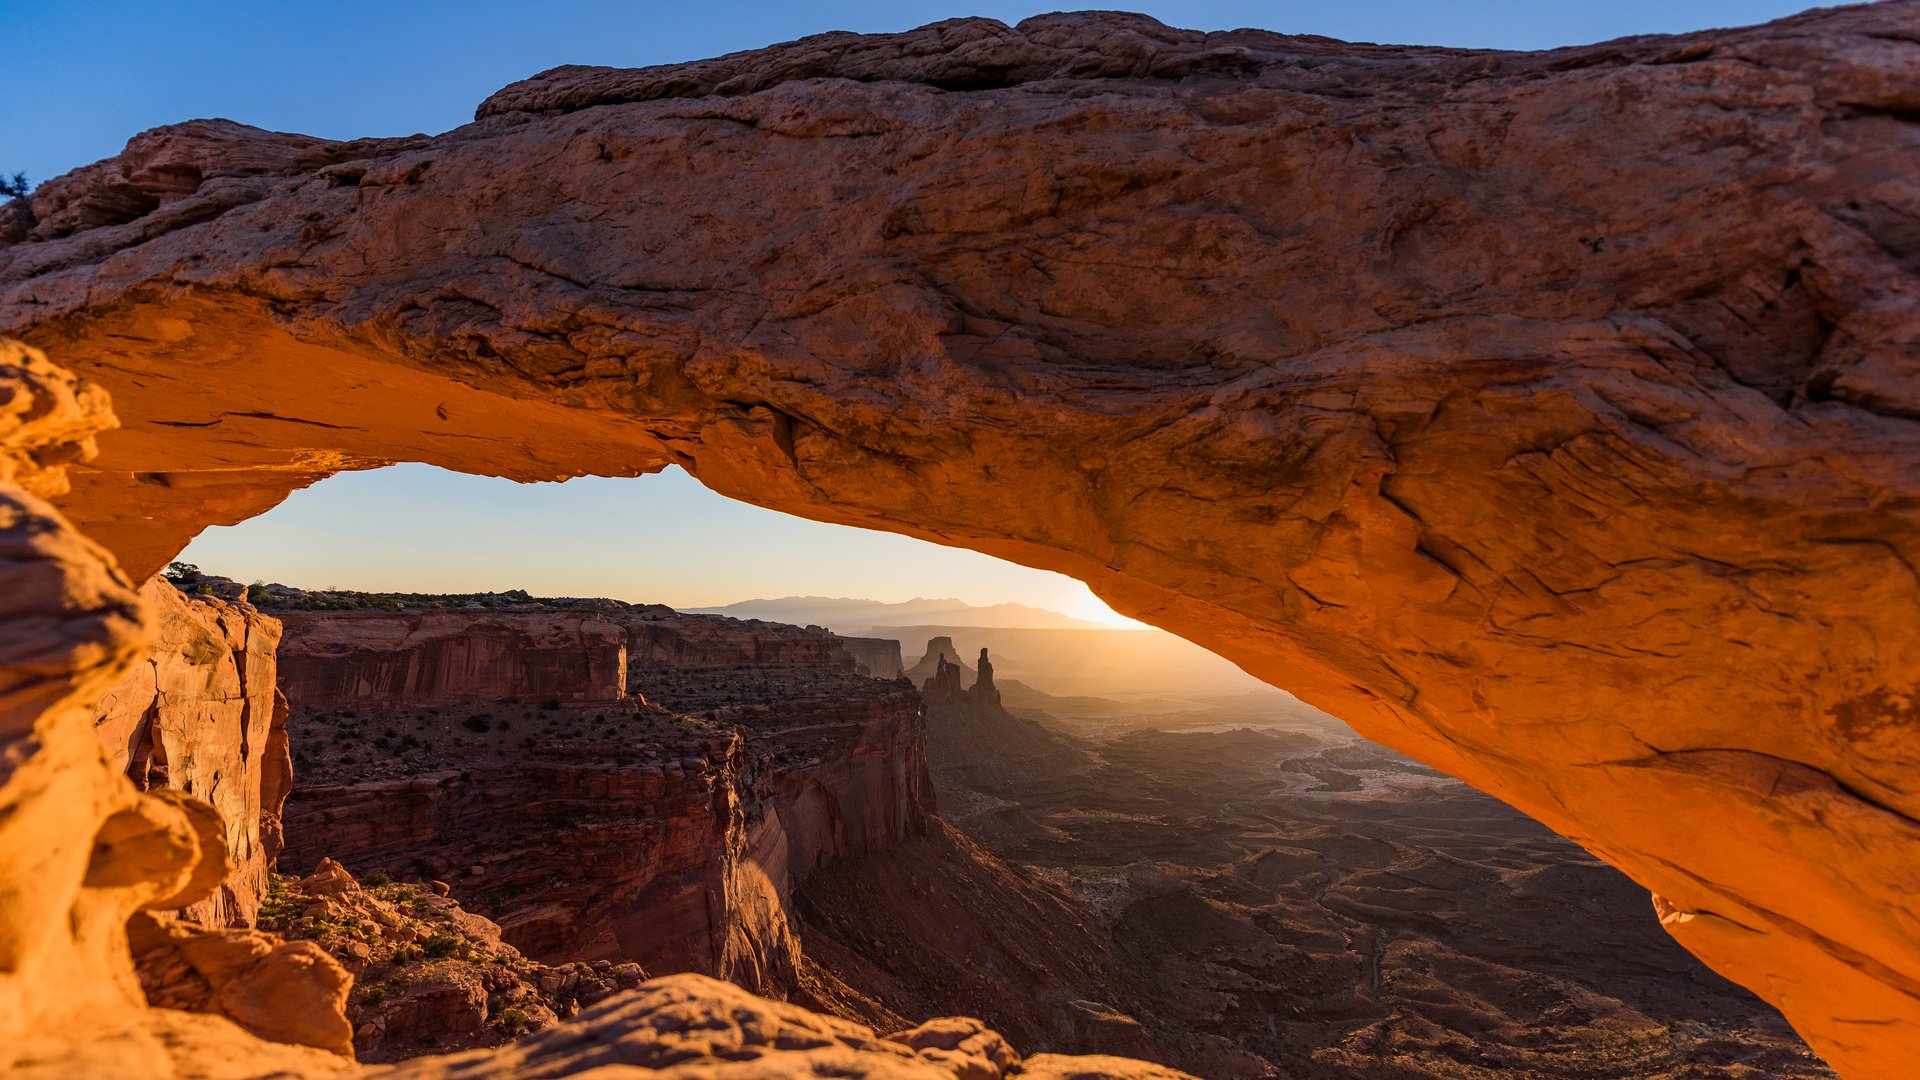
(527, 743)
(478, 722)
(375, 996)
(376, 878)
(599, 718)
(551, 704)
(348, 759)
(440, 946)
(512, 1021)
(402, 957)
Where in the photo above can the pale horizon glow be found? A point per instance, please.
(660, 539)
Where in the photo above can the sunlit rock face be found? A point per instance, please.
(350, 660)
(85, 854)
(1548, 417)
(201, 715)
(82, 848)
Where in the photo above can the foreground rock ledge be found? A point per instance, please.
(1549, 417)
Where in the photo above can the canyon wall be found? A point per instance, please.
(880, 656)
(694, 640)
(375, 659)
(345, 660)
(201, 715)
(81, 848)
(683, 865)
(1547, 416)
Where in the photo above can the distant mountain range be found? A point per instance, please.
(842, 614)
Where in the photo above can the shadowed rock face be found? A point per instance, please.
(1548, 417)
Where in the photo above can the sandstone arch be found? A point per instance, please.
(1550, 417)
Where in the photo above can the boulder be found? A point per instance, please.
(962, 1045)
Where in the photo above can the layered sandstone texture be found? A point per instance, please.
(85, 856)
(524, 652)
(201, 714)
(1547, 416)
(347, 660)
(81, 848)
(650, 836)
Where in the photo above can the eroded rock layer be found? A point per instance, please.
(1546, 416)
(347, 660)
(82, 850)
(626, 834)
(202, 715)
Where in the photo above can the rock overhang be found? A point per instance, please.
(1547, 416)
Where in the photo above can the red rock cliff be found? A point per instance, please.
(200, 714)
(336, 660)
(1547, 416)
(693, 640)
(684, 861)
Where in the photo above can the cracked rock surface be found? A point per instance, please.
(1549, 417)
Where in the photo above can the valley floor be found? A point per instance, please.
(1281, 901)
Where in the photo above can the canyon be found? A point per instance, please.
(1287, 900)
(665, 829)
(1545, 416)
(1276, 896)
(609, 784)
(1235, 902)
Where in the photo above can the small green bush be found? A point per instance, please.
(375, 996)
(512, 1021)
(440, 946)
(478, 722)
(376, 879)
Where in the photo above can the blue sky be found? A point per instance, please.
(84, 75)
